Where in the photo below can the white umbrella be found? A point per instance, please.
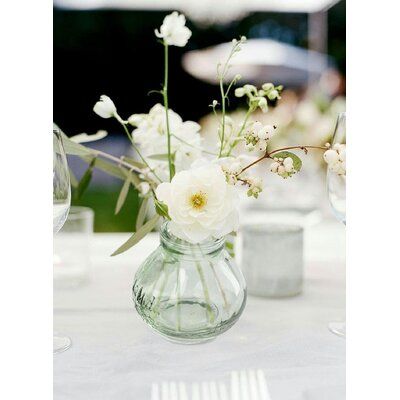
(259, 61)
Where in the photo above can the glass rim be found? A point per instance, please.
(183, 246)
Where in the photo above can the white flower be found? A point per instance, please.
(151, 135)
(336, 158)
(201, 204)
(105, 107)
(273, 94)
(173, 30)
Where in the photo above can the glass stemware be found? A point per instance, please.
(336, 185)
(61, 205)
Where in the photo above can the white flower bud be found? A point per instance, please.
(262, 103)
(262, 145)
(105, 107)
(267, 86)
(281, 170)
(274, 167)
(250, 89)
(331, 156)
(240, 92)
(237, 77)
(288, 164)
(273, 94)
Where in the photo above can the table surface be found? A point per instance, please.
(116, 356)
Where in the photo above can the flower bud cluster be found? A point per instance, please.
(283, 167)
(255, 186)
(258, 98)
(336, 158)
(258, 135)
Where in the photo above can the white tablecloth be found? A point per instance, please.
(115, 356)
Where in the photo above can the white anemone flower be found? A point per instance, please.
(201, 204)
(173, 30)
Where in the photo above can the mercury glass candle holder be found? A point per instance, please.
(272, 259)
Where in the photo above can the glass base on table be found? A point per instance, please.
(61, 343)
(338, 328)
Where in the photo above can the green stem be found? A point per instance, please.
(165, 95)
(221, 88)
(138, 151)
(189, 144)
(248, 113)
(210, 315)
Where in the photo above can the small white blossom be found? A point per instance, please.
(173, 30)
(273, 94)
(258, 135)
(288, 164)
(263, 104)
(255, 186)
(240, 92)
(231, 169)
(283, 167)
(144, 188)
(268, 86)
(336, 158)
(105, 107)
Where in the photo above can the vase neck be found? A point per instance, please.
(176, 245)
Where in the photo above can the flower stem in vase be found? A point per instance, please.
(210, 314)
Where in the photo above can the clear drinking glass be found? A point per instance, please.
(189, 293)
(336, 185)
(72, 249)
(61, 204)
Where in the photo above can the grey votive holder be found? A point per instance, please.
(272, 259)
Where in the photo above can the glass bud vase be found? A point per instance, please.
(189, 293)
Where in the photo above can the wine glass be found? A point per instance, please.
(336, 185)
(61, 205)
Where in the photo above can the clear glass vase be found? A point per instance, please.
(189, 293)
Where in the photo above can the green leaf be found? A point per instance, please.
(142, 213)
(73, 148)
(85, 180)
(160, 157)
(137, 236)
(72, 177)
(230, 248)
(297, 163)
(122, 195)
(161, 209)
(134, 163)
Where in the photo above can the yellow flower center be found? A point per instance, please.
(198, 200)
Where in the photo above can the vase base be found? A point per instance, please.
(187, 341)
